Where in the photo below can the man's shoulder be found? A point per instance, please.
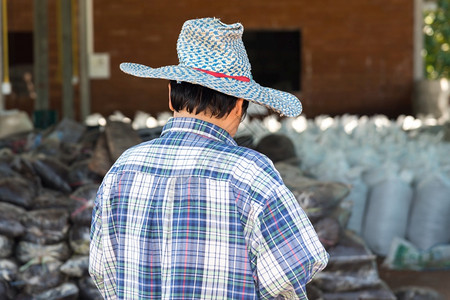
(257, 167)
(251, 156)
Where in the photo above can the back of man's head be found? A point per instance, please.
(197, 99)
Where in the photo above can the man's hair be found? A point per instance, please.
(196, 99)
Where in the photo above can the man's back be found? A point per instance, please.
(193, 216)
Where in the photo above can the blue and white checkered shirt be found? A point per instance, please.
(191, 215)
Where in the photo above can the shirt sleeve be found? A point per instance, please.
(96, 249)
(289, 250)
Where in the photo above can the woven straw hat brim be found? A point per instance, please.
(282, 102)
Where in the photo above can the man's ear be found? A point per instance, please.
(170, 101)
(238, 107)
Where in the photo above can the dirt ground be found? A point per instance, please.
(436, 280)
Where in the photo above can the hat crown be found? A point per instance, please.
(211, 45)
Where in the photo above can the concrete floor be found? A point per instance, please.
(436, 280)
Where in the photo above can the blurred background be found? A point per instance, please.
(340, 58)
(368, 159)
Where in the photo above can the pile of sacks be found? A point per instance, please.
(48, 183)
(364, 174)
(352, 270)
(399, 172)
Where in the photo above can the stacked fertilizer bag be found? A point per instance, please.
(400, 193)
(48, 184)
(352, 271)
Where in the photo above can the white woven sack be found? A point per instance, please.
(358, 197)
(13, 122)
(429, 223)
(387, 214)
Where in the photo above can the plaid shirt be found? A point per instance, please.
(191, 215)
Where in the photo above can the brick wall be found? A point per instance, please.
(20, 15)
(357, 56)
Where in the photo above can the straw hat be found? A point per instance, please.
(213, 55)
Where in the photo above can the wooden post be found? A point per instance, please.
(41, 54)
(67, 67)
(85, 85)
(418, 41)
(2, 101)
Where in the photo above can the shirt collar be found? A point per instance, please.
(199, 127)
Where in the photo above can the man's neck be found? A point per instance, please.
(228, 123)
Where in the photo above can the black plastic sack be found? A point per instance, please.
(18, 191)
(351, 267)
(19, 142)
(52, 172)
(8, 269)
(7, 292)
(65, 291)
(68, 131)
(10, 216)
(32, 253)
(88, 290)
(101, 160)
(46, 226)
(318, 199)
(37, 278)
(63, 152)
(79, 239)
(277, 147)
(76, 266)
(23, 165)
(6, 246)
(80, 174)
(417, 293)
(6, 170)
(328, 230)
(82, 204)
(49, 198)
